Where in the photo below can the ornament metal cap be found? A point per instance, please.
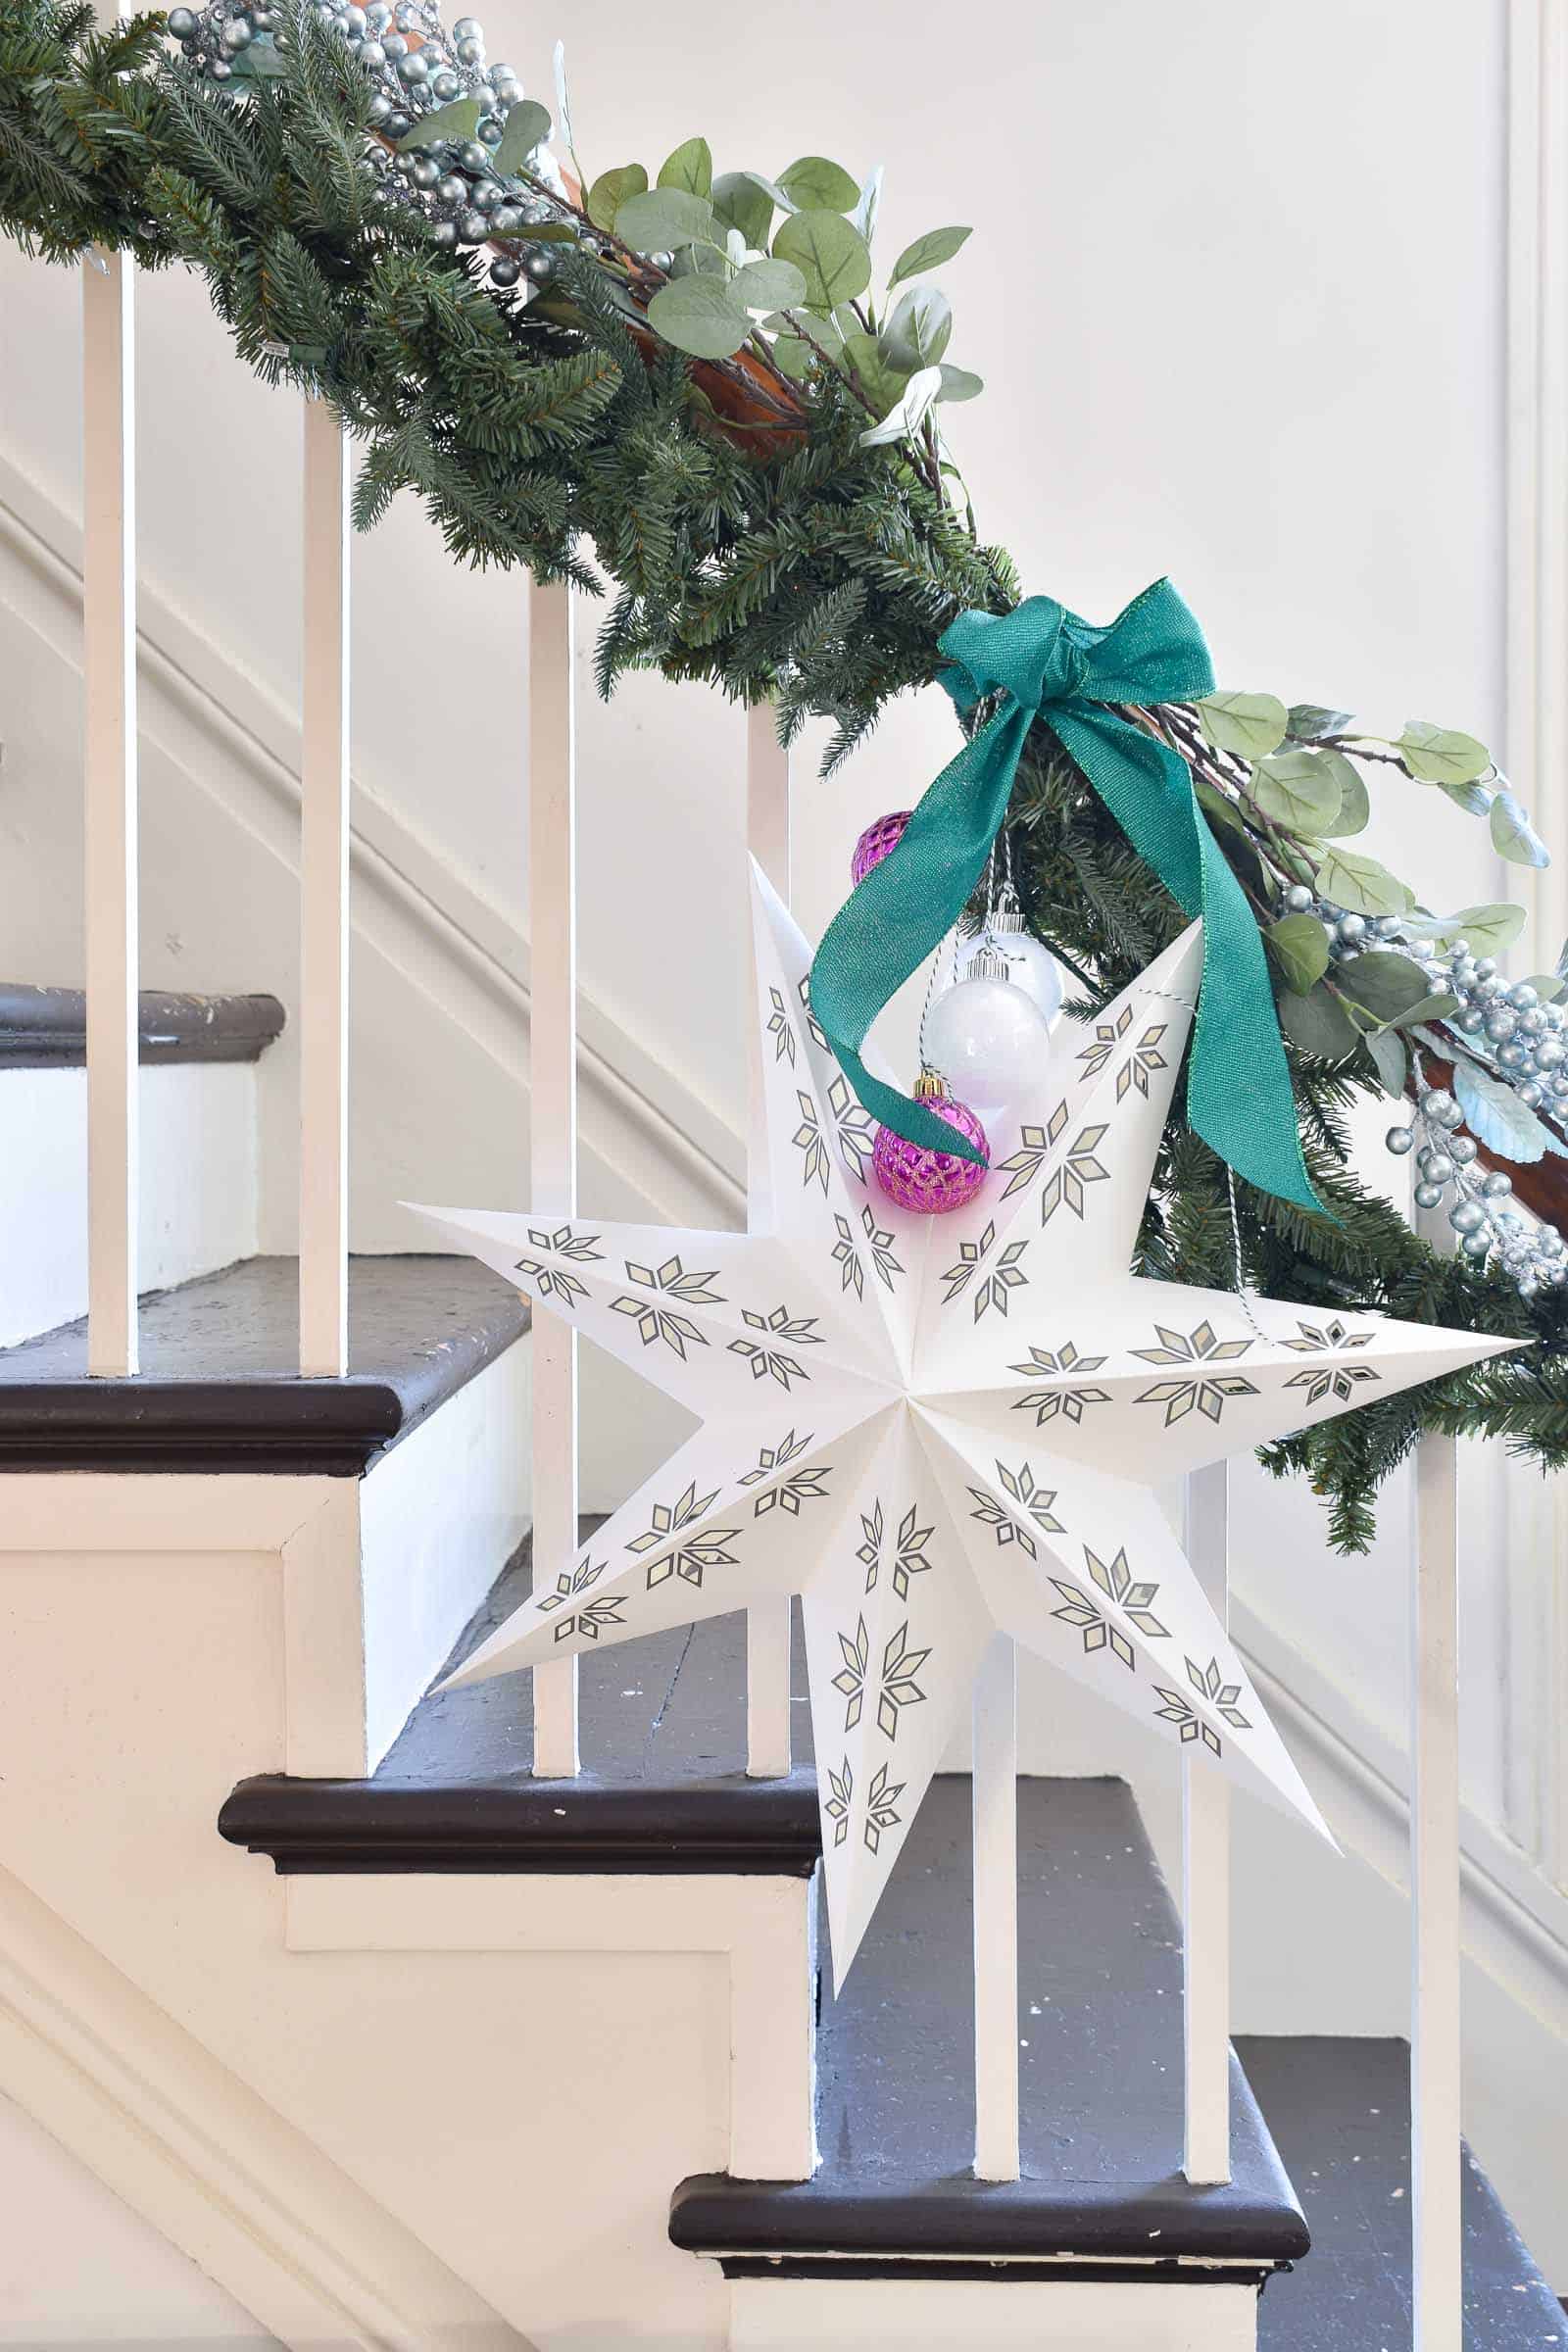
(930, 1087)
(1007, 916)
(987, 963)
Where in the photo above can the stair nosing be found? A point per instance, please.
(46, 1028)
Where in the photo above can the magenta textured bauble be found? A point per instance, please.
(930, 1183)
(876, 841)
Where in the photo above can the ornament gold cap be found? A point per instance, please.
(930, 1087)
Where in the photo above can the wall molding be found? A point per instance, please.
(202, 2158)
(1515, 1924)
(640, 1116)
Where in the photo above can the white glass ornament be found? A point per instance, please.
(987, 1037)
(1031, 967)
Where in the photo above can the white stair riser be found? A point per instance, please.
(935, 2314)
(198, 1183)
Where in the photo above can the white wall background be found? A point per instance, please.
(1237, 288)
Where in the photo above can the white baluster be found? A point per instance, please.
(767, 1622)
(994, 1788)
(553, 1123)
(323, 1021)
(1207, 1872)
(109, 678)
(1435, 2039)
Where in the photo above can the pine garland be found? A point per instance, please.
(778, 557)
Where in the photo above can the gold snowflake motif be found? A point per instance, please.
(1034, 1143)
(773, 1458)
(780, 1030)
(1208, 1394)
(691, 1560)
(801, 1486)
(554, 1281)
(841, 1789)
(1047, 1403)
(661, 1324)
(1115, 1580)
(1033, 1501)
(908, 1551)
(1145, 1060)
(818, 1033)
(809, 1141)
(1329, 1380)
(993, 1288)
(1102, 1045)
(881, 1808)
(853, 1126)
(569, 1586)
(846, 1256)
(898, 1688)
(1064, 1187)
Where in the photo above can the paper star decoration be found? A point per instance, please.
(934, 1427)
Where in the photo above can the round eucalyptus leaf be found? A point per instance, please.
(1319, 1024)
(1513, 836)
(1252, 725)
(696, 315)
(458, 121)
(1390, 1059)
(1359, 884)
(1310, 722)
(919, 328)
(527, 128)
(768, 285)
(1388, 985)
(691, 168)
(1297, 790)
(1355, 807)
(814, 184)
(740, 200)
(882, 383)
(664, 219)
(929, 252)
(1300, 946)
(611, 190)
(957, 383)
(833, 258)
(1441, 755)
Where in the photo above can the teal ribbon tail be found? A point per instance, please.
(1042, 660)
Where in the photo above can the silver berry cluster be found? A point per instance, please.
(413, 66)
(1520, 1039)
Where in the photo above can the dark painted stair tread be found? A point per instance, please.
(664, 1787)
(46, 1028)
(1339, 2110)
(1101, 2030)
(218, 1388)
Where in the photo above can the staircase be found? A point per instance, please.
(489, 2060)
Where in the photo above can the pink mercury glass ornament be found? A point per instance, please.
(930, 1183)
(876, 841)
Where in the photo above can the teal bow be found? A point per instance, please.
(1042, 662)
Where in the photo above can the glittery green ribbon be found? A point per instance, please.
(1042, 662)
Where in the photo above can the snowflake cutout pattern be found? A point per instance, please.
(781, 1030)
(1189, 1726)
(773, 1457)
(879, 1241)
(1034, 1143)
(853, 1126)
(993, 1286)
(809, 1141)
(689, 1560)
(869, 1553)
(1047, 1403)
(1333, 1334)
(818, 1033)
(661, 1324)
(1032, 1499)
(769, 1363)
(840, 1798)
(908, 1551)
(801, 1486)
(1064, 1187)
(570, 1585)
(1133, 1597)
(898, 1688)
(846, 1256)
(1323, 1380)
(1208, 1394)
(881, 1808)
(1102, 1045)
(1210, 1683)
(850, 1680)
(1146, 1058)
(555, 1281)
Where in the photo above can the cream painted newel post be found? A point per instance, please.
(325, 902)
(1207, 1871)
(995, 1799)
(553, 1119)
(1434, 1957)
(767, 1622)
(108, 672)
